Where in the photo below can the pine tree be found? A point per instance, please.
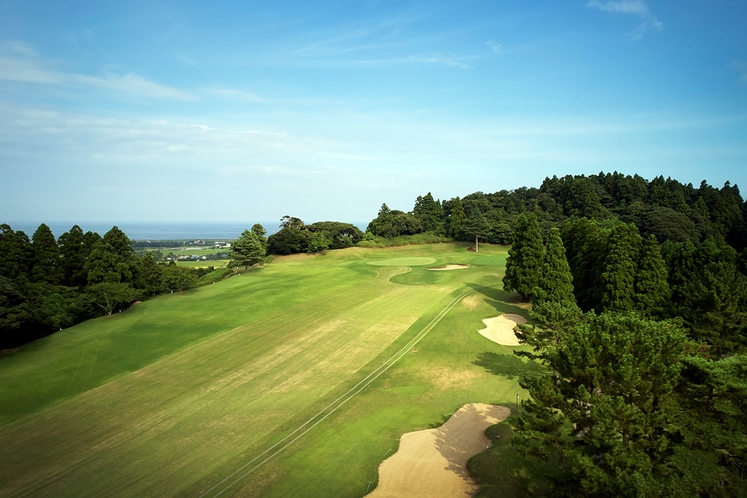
(47, 262)
(605, 409)
(620, 268)
(651, 286)
(524, 263)
(457, 220)
(261, 233)
(247, 250)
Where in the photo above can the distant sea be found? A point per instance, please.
(160, 231)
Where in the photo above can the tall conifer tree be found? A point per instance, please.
(457, 220)
(556, 284)
(524, 263)
(651, 286)
(74, 252)
(47, 263)
(620, 268)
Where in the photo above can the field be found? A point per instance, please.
(294, 379)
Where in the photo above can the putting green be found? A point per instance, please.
(416, 261)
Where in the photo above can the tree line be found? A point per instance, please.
(48, 284)
(645, 344)
(665, 208)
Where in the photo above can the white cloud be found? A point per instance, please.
(18, 48)
(635, 7)
(232, 94)
(31, 71)
(495, 47)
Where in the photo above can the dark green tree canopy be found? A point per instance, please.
(524, 263)
(457, 220)
(620, 268)
(47, 265)
(430, 213)
(393, 223)
(652, 290)
(556, 282)
(340, 235)
(604, 408)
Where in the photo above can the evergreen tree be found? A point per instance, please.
(620, 267)
(17, 254)
(681, 267)
(247, 250)
(586, 248)
(152, 274)
(261, 233)
(113, 260)
(178, 278)
(74, 252)
(430, 213)
(651, 287)
(47, 266)
(556, 284)
(714, 308)
(477, 226)
(524, 263)
(604, 412)
(457, 220)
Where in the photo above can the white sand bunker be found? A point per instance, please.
(457, 266)
(501, 329)
(433, 462)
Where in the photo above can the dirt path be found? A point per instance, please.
(501, 329)
(433, 462)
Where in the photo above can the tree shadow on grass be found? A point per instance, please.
(501, 300)
(502, 471)
(508, 365)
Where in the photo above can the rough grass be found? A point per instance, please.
(173, 395)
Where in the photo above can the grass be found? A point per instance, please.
(175, 394)
(216, 263)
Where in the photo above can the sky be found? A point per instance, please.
(160, 111)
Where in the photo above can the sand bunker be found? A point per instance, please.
(433, 462)
(450, 267)
(501, 329)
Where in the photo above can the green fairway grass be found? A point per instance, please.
(413, 261)
(216, 263)
(174, 395)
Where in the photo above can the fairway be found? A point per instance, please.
(267, 384)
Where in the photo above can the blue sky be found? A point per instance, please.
(240, 111)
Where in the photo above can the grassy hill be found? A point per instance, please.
(295, 379)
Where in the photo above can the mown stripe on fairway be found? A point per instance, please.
(333, 406)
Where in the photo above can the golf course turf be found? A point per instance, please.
(187, 393)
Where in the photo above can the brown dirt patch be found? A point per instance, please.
(445, 378)
(458, 266)
(500, 329)
(471, 302)
(433, 462)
